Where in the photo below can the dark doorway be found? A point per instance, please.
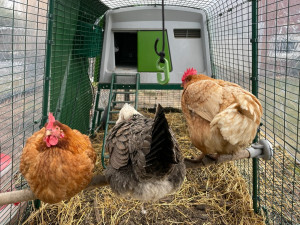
(126, 49)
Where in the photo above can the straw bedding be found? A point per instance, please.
(212, 195)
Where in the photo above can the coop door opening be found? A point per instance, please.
(125, 50)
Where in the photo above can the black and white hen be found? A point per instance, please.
(145, 161)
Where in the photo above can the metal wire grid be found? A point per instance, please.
(74, 45)
(22, 61)
(148, 99)
(278, 39)
(229, 24)
(279, 68)
(230, 33)
(24, 74)
(189, 3)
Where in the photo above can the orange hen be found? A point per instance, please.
(221, 116)
(57, 162)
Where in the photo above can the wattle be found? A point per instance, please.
(51, 141)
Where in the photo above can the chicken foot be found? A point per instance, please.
(207, 160)
(200, 158)
(261, 149)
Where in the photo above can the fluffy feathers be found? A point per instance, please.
(145, 161)
(126, 112)
(59, 171)
(221, 116)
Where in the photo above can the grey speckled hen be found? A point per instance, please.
(145, 160)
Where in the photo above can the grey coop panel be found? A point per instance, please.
(188, 50)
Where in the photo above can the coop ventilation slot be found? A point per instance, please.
(187, 33)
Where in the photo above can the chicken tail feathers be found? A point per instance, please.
(238, 123)
(162, 153)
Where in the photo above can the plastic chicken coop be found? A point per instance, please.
(81, 58)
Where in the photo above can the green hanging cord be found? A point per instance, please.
(165, 69)
(161, 55)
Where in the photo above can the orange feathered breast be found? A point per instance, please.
(58, 172)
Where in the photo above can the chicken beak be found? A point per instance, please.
(48, 132)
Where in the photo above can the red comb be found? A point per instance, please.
(189, 71)
(51, 121)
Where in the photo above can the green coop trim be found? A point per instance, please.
(143, 86)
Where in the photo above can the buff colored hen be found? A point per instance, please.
(57, 162)
(221, 116)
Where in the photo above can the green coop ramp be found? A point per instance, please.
(115, 104)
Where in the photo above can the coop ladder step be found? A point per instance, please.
(124, 92)
(125, 75)
(114, 90)
(116, 102)
(113, 112)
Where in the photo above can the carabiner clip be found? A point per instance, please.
(164, 69)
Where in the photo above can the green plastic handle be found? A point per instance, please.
(165, 69)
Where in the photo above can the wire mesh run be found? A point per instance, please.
(278, 90)
(279, 68)
(30, 31)
(75, 42)
(50, 58)
(148, 99)
(23, 28)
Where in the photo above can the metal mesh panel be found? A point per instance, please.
(23, 26)
(230, 34)
(279, 67)
(44, 71)
(47, 48)
(230, 26)
(167, 98)
(76, 39)
(189, 3)
(278, 90)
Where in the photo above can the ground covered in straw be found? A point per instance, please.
(213, 195)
